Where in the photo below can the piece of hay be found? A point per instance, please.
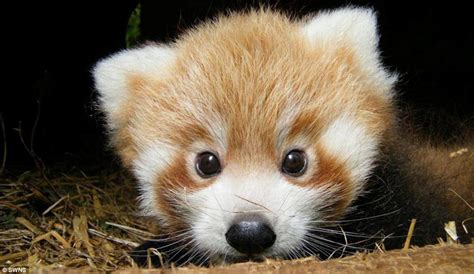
(54, 205)
(28, 225)
(458, 152)
(451, 233)
(410, 234)
(81, 234)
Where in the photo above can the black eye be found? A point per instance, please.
(294, 163)
(207, 164)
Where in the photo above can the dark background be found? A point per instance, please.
(51, 48)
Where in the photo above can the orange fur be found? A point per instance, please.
(266, 68)
(250, 87)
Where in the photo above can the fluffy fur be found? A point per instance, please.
(250, 87)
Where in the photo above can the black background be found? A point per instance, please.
(51, 47)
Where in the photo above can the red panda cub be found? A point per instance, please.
(260, 136)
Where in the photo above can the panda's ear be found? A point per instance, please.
(353, 27)
(112, 76)
(356, 26)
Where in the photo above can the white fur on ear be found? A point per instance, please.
(111, 75)
(354, 27)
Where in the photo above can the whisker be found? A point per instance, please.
(178, 249)
(225, 257)
(204, 258)
(194, 251)
(354, 220)
(336, 232)
(345, 239)
(252, 202)
(321, 245)
(337, 244)
(180, 238)
(178, 243)
(164, 238)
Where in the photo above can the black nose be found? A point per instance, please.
(250, 235)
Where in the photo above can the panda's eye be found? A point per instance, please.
(294, 163)
(207, 164)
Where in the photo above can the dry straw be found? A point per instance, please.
(90, 223)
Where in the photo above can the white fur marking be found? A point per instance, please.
(150, 163)
(111, 75)
(358, 27)
(349, 141)
(287, 207)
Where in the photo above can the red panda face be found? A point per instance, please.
(251, 130)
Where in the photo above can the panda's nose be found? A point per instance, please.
(250, 235)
